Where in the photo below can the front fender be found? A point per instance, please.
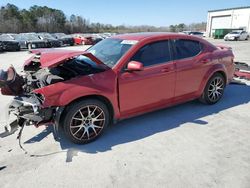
(63, 93)
(75, 93)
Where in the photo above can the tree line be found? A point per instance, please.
(45, 19)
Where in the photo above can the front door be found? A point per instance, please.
(152, 87)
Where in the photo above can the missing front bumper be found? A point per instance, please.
(27, 109)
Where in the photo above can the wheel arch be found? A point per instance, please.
(101, 98)
(219, 69)
(222, 73)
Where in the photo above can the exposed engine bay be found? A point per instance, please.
(27, 105)
(34, 77)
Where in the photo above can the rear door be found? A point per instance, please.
(189, 68)
(140, 91)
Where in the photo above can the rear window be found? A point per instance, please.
(186, 48)
(235, 32)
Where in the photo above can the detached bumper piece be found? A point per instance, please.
(28, 109)
(242, 70)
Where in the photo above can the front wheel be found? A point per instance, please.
(85, 121)
(214, 89)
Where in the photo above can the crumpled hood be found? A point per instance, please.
(53, 57)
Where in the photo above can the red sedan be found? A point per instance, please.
(120, 77)
(81, 39)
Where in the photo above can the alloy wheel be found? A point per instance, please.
(215, 89)
(87, 123)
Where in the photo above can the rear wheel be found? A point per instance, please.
(85, 121)
(214, 89)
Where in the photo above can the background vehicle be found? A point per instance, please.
(97, 38)
(9, 43)
(236, 35)
(30, 41)
(1, 46)
(65, 39)
(80, 38)
(50, 40)
(194, 33)
(86, 91)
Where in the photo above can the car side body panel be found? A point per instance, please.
(148, 88)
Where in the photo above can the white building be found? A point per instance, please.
(232, 18)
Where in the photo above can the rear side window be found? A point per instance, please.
(153, 53)
(186, 48)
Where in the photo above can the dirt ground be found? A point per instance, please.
(189, 145)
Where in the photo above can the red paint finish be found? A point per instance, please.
(242, 74)
(145, 89)
(135, 92)
(78, 39)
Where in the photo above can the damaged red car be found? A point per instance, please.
(120, 77)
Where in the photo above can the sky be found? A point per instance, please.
(135, 12)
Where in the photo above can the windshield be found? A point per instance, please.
(60, 35)
(109, 51)
(30, 36)
(5, 37)
(46, 36)
(235, 32)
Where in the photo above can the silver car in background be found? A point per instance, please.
(236, 35)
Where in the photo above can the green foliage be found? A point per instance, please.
(45, 19)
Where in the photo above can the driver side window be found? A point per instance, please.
(153, 53)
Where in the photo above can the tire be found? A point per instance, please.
(214, 89)
(85, 121)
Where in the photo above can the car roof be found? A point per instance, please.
(142, 36)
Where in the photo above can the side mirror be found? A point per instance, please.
(135, 66)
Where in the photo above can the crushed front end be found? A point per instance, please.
(26, 106)
(29, 109)
(37, 88)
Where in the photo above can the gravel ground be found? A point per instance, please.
(189, 145)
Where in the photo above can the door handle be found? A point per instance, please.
(167, 69)
(205, 61)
